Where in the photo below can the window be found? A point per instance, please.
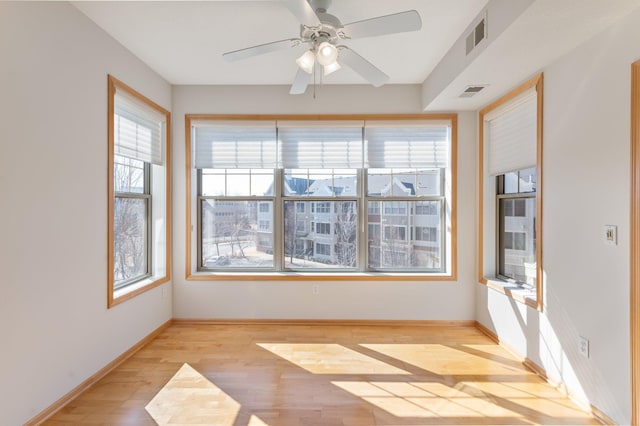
(324, 207)
(427, 208)
(264, 225)
(510, 172)
(395, 208)
(138, 231)
(395, 233)
(326, 196)
(323, 249)
(323, 228)
(374, 207)
(515, 207)
(513, 241)
(426, 233)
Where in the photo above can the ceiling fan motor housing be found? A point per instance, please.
(320, 6)
(329, 30)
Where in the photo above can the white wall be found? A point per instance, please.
(337, 299)
(586, 185)
(54, 325)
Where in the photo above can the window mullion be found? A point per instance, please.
(443, 231)
(278, 221)
(199, 201)
(363, 237)
(149, 204)
(147, 240)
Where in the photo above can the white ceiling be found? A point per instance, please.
(183, 41)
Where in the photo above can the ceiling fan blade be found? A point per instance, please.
(300, 83)
(260, 49)
(302, 10)
(387, 24)
(366, 69)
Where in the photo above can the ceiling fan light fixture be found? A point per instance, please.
(331, 68)
(322, 33)
(306, 61)
(327, 53)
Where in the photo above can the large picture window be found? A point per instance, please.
(138, 231)
(323, 196)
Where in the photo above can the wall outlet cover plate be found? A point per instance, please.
(611, 235)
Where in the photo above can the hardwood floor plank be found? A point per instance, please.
(328, 374)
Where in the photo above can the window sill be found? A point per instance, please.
(309, 276)
(518, 292)
(129, 292)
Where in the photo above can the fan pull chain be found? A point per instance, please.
(314, 80)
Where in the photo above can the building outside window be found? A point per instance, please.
(516, 226)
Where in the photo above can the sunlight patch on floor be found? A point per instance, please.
(190, 398)
(324, 358)
(255, 421)
(423, 400)
(443, 359)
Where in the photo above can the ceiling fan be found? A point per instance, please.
(322, 33)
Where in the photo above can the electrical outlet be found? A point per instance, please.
(583, 346)
(315, 289)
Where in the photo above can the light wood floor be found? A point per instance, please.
(256, 375)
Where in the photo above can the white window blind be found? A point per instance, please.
(235, 144)
(510, 132)
(407, 144)
(139, 129)
(326, 144)
(321, 144)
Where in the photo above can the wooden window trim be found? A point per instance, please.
(135, 290)
(635, 244)
(190, 275)
(537, 83)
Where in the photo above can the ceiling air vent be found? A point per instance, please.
(476, 35)
(472, 90)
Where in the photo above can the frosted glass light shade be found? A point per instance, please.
(327, 53)
(332, 67)
(306, 61)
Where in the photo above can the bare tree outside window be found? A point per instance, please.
(291, 249)
(131, 182)
(346, 227)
